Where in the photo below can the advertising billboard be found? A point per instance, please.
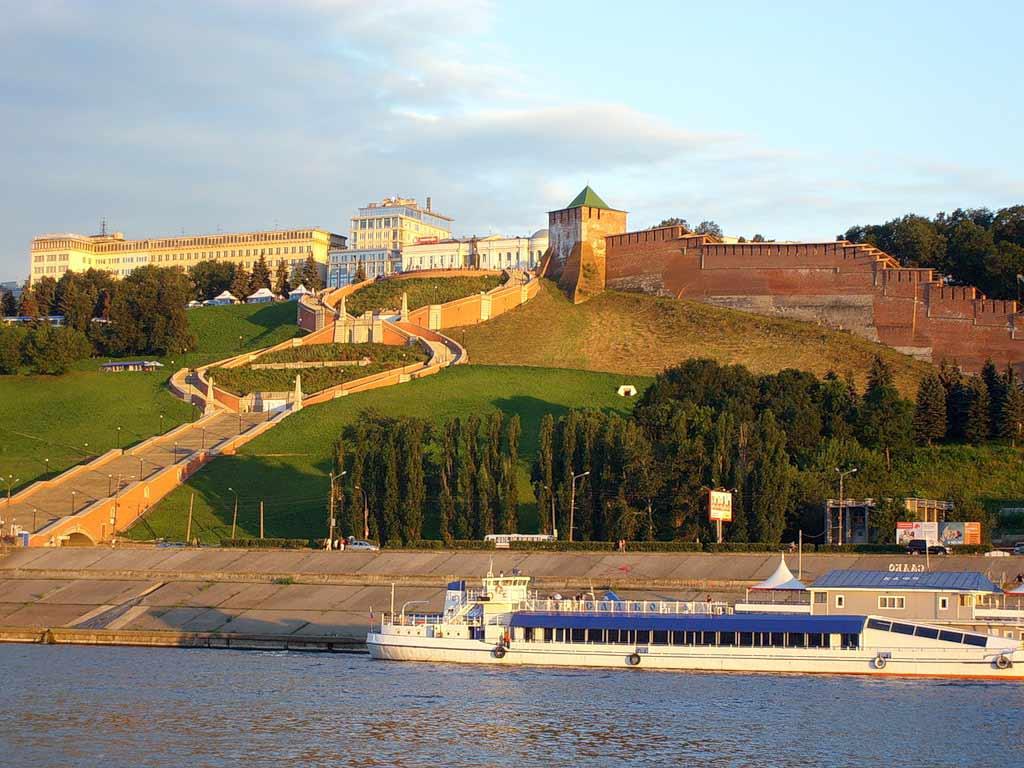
(907, 531)
(955, 534)
(720, 506)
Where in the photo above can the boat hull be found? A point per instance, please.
(865, 661)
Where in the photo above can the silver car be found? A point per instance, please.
(360, 544)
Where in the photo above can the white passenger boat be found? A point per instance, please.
(504, 622)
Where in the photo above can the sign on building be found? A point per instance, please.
(916, 530)
(720, 506)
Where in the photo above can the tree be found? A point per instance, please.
(45, 289)
(311, 274)
(1011, 416)
(672, 222)
(260, 276)
(147, 313)
(51, 350)
(996, 392)
(708, 228)
(465, 472)
(770, 479)
(483, 523)
(543, 472)
(446, 478)
(388, 524)
(886, 421)
(976, 420)
(413, 490)
(12, 344)
(8, 304)
(211, 278)
(282, 285)
(28, 306)
(240, 283)
(930, 411)
(757, 238)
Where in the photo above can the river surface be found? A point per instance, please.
(80, 706)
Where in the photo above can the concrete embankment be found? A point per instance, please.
(323, 600)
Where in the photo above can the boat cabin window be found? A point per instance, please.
(659, 637)
(930, 632)
(850, 641)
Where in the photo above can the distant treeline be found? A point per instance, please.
(975, 246)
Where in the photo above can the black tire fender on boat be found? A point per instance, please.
(633, 659)
(499, 651)
(880, 662)
(1003, 662)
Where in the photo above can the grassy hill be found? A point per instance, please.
(288, 467)
(637, 334)
(69, 418)
(420, 291)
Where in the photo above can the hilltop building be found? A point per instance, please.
(850, 286)
(396, 222)
(53, 255)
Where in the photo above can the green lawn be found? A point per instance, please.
(54, 417)
(287, 468)
(420, 291)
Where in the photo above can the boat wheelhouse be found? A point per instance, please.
(504, 622)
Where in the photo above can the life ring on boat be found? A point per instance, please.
(880, 662)
(499, 651)
(1003, 662)
(633, 659)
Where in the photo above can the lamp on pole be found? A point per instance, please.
(366, 513)
(842, 501)
(161, 423)
(11, 482)
(572, 502)
(73, 493)
(234, 516)
(110, 480)
(118, 438)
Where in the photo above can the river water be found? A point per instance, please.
(79, 706)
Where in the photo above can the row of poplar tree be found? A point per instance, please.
(954, 407)
(395, 468)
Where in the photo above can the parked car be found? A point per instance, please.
(1018, 549)
(920, 546)
(360, 544)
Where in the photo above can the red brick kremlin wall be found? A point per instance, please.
(840, 284)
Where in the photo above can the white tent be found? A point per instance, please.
(1018, 591)
(225, 297)
(299, 292)
(262, 296)
(782, 579)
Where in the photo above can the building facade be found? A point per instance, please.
(396, 222)
(53, 255)
(492, 252)
(343, 265)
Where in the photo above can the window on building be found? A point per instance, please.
(820, 598)
(943, 603)
(840, 601)
(892, 602)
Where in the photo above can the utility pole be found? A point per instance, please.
(188, 528)
(842, 503)
(800, 557)
(234, 516)
(330, 516)
(572, 502)
(261, 518)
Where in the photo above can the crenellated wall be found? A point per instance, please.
(852, 286)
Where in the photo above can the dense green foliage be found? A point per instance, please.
(392, 466)
(421, 291)
(42, 348)
(246, 379)
(774, 440)
(975, 246)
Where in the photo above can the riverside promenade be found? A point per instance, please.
(320, 600)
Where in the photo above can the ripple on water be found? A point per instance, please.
(166, 707)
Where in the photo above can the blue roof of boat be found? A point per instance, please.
(959, 581)
(740, 622)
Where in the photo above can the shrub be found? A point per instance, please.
(742, 546)
(880, 549)
(453, 544)
(265, 543)
(564, 546)
(420, 291)
(664, 546)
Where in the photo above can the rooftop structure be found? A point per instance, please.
(941, 581)
(396, 222)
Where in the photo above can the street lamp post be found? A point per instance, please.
(842, 502)
(161, 423)
(110, 480)
(572, 502)
(73, 493)
(118, 438)
(234, 516)
(11, 482)
(331, 522)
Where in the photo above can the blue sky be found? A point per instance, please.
(795, 120)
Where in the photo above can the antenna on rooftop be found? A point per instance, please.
(103, 226)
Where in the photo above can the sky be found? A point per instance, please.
(793, 120)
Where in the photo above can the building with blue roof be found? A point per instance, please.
(941, 597)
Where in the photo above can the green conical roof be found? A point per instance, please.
(589, 198)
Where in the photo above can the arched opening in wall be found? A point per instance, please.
(78, 539)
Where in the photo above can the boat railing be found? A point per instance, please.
(796, 598)
(413, 619)
(626, 607)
